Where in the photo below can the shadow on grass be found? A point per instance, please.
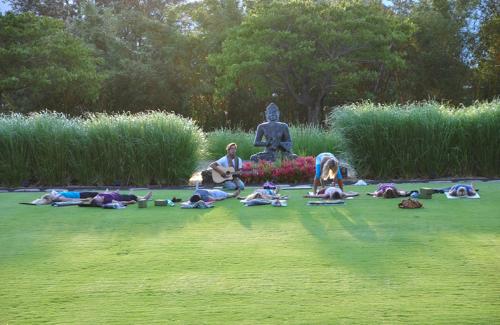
(342, 237)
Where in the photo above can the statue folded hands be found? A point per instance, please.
(276, 136)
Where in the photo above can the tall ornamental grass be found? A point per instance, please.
(140, 149)
(41, 146)
(308, 140)
(421, 140)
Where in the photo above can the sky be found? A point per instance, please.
(3, 7)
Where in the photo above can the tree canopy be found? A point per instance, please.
(310, 50)
(43, 66)
(222, 61)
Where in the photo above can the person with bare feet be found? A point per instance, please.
(112, 197)
(209, 195)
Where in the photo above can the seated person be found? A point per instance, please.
(111, 197)
(230, 160)
(209, 195)
(56, 196)
(327, 166)
(330, 193)
(462, 190)
(388, 191)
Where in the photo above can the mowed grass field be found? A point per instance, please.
(366, 262)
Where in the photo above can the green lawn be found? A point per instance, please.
(365, 262)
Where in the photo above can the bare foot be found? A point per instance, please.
(148, 196)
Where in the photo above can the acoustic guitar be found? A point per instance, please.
(229, 172)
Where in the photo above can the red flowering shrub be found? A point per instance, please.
(300, 170)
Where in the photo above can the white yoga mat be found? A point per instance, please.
(324, 202)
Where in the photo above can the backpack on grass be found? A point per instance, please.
(410, 204)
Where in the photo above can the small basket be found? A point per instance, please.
(142, 203)
(426, 193)
(160, 203)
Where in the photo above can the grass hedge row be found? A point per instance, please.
(308, 140)
(418, 140)
(51, 149)
(421, 140)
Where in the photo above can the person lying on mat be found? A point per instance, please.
(388, 191)
(462, 190)
(329, 193)
(327, 166)
(209, 195)
(56, 196)
(111, 197)
(266, 194)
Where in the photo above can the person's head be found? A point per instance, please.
(48, 198)
(272, 113)
(390, 193)
(336, 196)
(330, 169)
(195, 198)
(258, 195)
(255, 195)
(231, 149)
(461, 191)
(41, 201)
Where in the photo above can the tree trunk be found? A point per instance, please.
(313, 114)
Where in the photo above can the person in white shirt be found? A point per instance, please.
(330, 193)
(229, 160)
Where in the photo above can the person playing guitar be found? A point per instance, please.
(230, 161)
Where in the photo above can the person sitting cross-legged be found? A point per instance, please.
(229, 160)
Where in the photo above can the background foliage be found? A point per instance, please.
(308, 140)
(109, 56)
(52, 149)
(425, 140)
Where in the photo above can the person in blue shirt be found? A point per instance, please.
(327, 166)
(56, 196)
(462, 190)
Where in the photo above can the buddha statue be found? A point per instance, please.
(277, 140)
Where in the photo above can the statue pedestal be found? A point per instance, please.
(272, 156)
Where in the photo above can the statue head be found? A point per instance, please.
(272, 113)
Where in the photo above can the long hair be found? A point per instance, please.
(330, 169)
(390, 193)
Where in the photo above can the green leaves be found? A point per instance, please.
(44, 66)
(51, 149)
(306, 50)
